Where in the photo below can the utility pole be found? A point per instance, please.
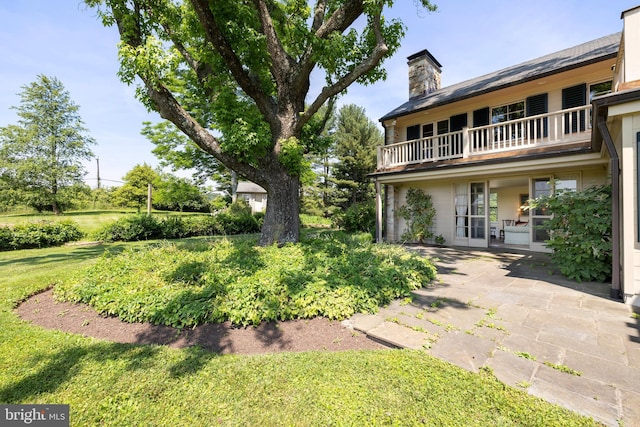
(98, 163)
(149, 194)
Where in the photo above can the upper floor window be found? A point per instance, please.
(508, 112)
(599, 89)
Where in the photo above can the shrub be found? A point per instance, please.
(580, 232)
(419, 214)
(40, 234)
(131, 228)
(145, 227)
(331, 274)
(359, 217)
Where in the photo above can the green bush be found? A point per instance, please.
(131, 228)
(331, 275)
(580, 232)
(359, 217)
(40, 234)
(145, 227)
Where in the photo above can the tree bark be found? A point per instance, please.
(282, 218)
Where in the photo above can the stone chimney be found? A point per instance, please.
(424, 74)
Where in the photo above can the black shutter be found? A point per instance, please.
(538, 104)
(413, 132)
(458, 122)
(575, 96)
(481, 117)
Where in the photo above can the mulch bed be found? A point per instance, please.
(269, 337)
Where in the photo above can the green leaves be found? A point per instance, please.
(580, 232)
(43, 153)
(419, 214)
(330, 275)
(39, 235)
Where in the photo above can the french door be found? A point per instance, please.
(538, 233)
(471, 214)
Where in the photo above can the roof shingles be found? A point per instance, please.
(584, 54)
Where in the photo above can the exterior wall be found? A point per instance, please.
(441, 197)
(442, 194)
(627, 127)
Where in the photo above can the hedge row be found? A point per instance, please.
(40, 234)
(145, 227)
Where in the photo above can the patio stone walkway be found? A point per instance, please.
(563, 341)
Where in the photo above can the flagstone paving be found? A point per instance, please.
(563, 341)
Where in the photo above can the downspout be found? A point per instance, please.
(616, 290)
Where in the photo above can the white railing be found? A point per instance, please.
(560, 127)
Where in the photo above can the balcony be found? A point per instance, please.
(542, 131)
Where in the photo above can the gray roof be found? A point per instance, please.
(249, 187)
(578, 56)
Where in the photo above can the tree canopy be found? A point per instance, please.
(41, 156)
(355, 151)
(135, 190)
(235, 76)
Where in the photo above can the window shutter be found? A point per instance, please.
(413, 132)
(575, 96)
(538, 104)
(481, 117)
(458, 122)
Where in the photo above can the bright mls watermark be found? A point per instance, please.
(34, 415)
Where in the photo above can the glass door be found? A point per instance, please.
(539, 234)
(471, 211)
(478, 210)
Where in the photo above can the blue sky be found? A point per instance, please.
(65, 39)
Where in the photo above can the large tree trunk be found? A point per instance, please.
(282, 219)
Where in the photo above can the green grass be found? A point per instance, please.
(115, 384)
(89, 221)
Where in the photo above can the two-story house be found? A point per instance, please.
(483, 147)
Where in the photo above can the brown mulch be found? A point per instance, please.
(269, 337)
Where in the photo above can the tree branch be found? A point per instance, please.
(368, 64)
(170, 109)
(249, 84)
(318, 16)
(281, 63)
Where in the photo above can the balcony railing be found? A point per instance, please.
(557, 128)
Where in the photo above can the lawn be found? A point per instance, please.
(89, 221)
(115, 384)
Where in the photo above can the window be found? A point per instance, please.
(507, 113)
(493, 207)
(599, 89)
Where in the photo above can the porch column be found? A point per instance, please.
(379, 222)
(466, 144)
(390, 225)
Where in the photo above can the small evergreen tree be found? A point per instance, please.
(41, 157)
(356, 139)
